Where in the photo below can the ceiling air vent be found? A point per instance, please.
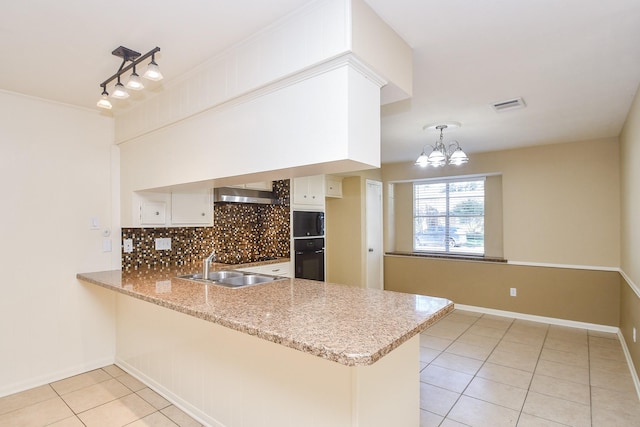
(510, 104)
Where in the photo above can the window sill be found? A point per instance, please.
(448, 256)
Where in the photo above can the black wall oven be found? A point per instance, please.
(308, 244)
(309, 258)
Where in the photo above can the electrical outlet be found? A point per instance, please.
(163, 244)
(127, 246)
(513, 292)
(634, 334)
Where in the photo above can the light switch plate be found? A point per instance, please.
(94, 223)
(127, 246)
(163, 244)
(106, 245)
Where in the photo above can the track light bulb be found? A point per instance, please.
(104, 100)
(153, 72)
(119, 91)
(134, 81)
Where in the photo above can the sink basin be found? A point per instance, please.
(247, 280)
(232, 279)
(214, 275)
(219, 276)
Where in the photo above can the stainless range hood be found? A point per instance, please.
(243, 195)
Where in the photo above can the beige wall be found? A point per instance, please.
(630, 225)
(57, 165)
(560, 209)
(560, 202)
(346, 232)
(562, 293)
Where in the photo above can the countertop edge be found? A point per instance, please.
(351, 360)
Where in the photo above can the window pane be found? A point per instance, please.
(449, 217)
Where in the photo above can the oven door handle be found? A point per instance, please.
(321, 251)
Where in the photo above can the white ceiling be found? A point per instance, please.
(575, 62)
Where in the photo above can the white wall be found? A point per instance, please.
(309, 36)
(56, 168)
(331, 119)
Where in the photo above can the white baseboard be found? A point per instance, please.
(30, 383)
(185, 406)
(540, 319)
(563, 322)
(627, 355)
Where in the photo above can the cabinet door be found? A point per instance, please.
(309, 190)
(194, 208)
(333, 187)
(300, 190)
(153, 213)
(316, 188)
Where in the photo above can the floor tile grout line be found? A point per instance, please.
(445, 349)
(486, 360)
(483, 363)
(541, 347)
(535, 368)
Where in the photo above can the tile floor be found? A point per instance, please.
(484, 370)
(476, 370)
(103, 398)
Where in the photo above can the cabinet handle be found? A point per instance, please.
(157, 213)
(276, 270)
(203, 214)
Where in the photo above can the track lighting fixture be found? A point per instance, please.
(134, 82)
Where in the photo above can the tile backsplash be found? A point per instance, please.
(241, 233)
(188, 245)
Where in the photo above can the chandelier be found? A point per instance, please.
(134, 83)
(441, 155)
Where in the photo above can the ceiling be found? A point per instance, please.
(576, 63)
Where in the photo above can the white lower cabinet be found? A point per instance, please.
(278, 269)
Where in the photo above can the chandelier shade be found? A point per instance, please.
(441, 155)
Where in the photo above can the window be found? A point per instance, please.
(448, 216)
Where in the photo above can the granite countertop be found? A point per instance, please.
(344, 324)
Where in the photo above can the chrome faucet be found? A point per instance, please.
(205, 265)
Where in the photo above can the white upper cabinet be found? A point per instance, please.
(333, 186)
(163, 209)
(308, 191)
(153, 213)
(193, 208)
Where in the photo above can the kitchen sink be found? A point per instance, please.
(232, 279)
(248, 280)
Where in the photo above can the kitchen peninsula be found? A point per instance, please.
(290, 352)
